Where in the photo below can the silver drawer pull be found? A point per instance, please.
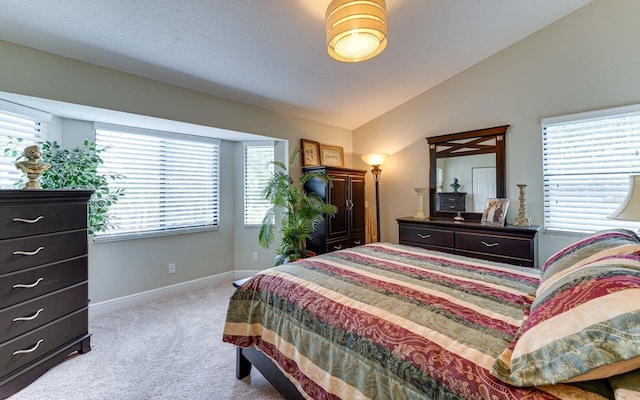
(31, 318)
(356, 242)
(489, 244)
(452, 206)
(424, 236)
(337, 247)
(452, 198)
(28, 253)
(28, 221)
(27, 286)
(31, 350)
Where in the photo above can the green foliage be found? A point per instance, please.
(301, 212)
(75, 169)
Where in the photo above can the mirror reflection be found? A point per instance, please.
(466, 169)
(465, 183)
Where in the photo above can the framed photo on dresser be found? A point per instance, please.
(495, 212)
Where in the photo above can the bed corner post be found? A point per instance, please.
(243, 366)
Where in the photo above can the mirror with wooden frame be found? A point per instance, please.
(465, 169)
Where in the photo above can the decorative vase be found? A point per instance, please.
(420, 193)
(522, 219)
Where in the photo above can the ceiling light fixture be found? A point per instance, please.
(356, 29)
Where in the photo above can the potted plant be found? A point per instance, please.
(75, 169)
(301, 212)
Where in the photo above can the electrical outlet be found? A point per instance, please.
(255, 256)
(172, 268)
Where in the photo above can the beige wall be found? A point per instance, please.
(586, 61)
(582, 62)
(127, 267)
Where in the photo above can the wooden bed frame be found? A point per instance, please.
(247, 357)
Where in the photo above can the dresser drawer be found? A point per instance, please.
(345, 243)
(508, 244)
(35, 282)
(17, 254)
(419, 236)
(31, 346)
(510, 247)
(35, 219)
(454, 201)
(29, 315)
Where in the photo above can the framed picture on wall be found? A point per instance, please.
(495, 212)
(332, 156)
(310, 153)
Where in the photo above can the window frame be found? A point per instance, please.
(266, 205)
(609, 176)
(40, 121)
(159, 230)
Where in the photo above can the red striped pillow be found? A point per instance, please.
(584, 324)
(587, 249)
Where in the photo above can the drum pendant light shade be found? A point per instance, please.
(356, 29)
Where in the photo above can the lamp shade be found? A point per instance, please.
(374, 158)
(356, 29)
(630, 207)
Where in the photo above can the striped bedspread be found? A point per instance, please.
(386, 321)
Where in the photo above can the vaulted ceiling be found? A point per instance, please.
(271, 53)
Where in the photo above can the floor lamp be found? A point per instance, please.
(375, 161)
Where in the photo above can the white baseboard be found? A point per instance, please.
(153, 294)
(245, 273)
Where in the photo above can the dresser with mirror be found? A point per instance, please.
(466, 169)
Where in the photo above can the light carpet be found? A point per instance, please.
(170, 348)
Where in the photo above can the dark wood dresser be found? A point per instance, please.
(43, 282)
(346, 228)
(508, 244)
(451, 201)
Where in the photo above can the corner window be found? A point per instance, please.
(258, 168)
(170, 181)
(587, 160)
(18, 122)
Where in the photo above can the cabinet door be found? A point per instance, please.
(338, 225)
(357, 205)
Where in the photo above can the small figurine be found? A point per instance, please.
(32, 167)
(455, 185)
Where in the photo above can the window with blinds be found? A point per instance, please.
(18, 122)
(587, 160)
(258, 168)
(170, 181)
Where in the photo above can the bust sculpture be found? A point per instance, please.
(32, 167)
(455, 185)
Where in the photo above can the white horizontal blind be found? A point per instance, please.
(170, 181)
(587, 160)
(18, 122)
(258, 168)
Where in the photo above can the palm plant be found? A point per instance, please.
(301, 212)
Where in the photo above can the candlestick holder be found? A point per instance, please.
(522, 219)
(420, 193)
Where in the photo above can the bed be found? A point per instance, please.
(385, 321)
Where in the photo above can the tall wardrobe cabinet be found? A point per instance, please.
(347, 227)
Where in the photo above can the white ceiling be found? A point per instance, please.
(271, 53)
